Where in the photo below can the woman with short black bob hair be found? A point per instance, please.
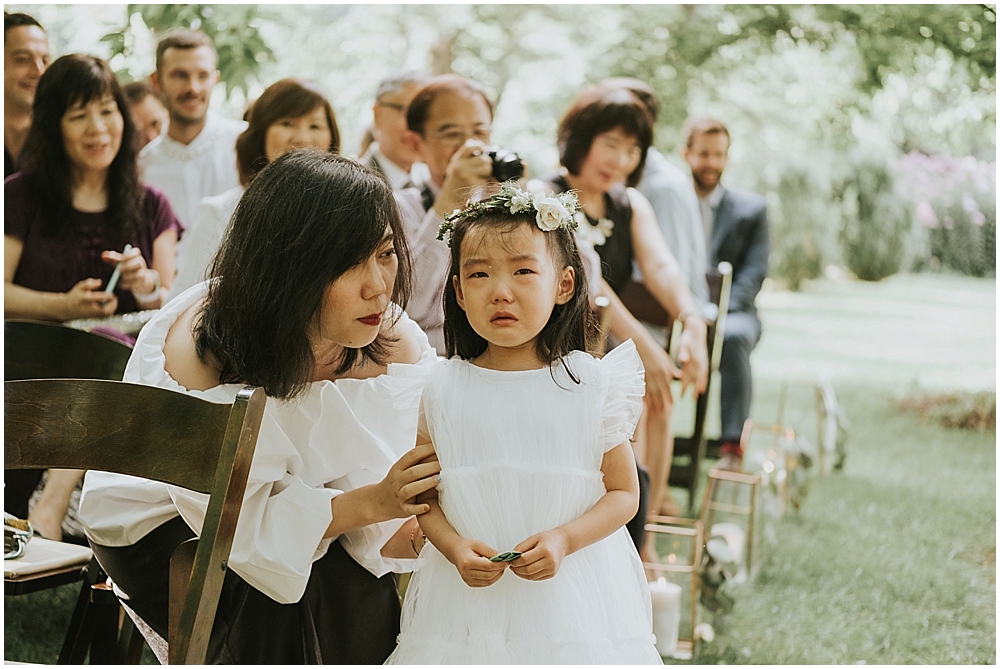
(304, 300)
(258, 327)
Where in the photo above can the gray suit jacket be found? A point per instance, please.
(740, 237)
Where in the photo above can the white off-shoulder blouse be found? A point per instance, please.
(339, 436)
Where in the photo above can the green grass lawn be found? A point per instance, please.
(892, 560)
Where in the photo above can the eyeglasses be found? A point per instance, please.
(455, 137)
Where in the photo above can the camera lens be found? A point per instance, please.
(506, 164)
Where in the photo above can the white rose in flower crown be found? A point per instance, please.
(552, 215)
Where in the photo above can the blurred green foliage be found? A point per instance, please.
(233, 29)
(801, 87)
(875, 222)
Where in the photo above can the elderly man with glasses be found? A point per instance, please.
(448, 124)
(389, 154)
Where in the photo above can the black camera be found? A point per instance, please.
(507, 165)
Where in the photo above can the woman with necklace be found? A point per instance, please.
(603, 140)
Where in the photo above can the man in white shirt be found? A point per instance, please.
(196, 157)
(25, 57)
(389, 155)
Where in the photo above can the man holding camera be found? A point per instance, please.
(448, 122)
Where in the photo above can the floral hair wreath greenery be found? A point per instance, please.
(552, 211)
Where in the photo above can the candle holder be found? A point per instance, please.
(730, 511)
(674, 552)
(765, 455)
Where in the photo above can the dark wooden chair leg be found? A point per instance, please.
(74, 648)
(104, 633)
(130, 643)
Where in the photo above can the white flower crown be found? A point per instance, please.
(553, 211)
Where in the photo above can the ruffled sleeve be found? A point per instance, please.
(622, 371)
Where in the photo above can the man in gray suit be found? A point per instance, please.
(389, 155)
(735, 226)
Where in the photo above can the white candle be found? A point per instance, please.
(666, 598)
(735, 538)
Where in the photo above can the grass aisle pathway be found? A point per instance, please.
(892, 560)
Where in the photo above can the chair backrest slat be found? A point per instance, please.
(112, 426)
(39, 350)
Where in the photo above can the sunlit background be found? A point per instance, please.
(870, 129)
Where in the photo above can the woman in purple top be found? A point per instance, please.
(67, 218)
(79, 201)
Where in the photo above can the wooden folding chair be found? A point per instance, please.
(44, 350)
(689, 451)
(156, 434)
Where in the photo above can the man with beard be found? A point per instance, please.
(735, 231)
(196, 157)
(25, 57)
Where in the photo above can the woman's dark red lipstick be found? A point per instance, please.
(373, 319)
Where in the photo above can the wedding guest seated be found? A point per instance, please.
(736, 231)
(195, 157)
(305, 301)
(70, 214)
(289, 114)
(148, 113)
(603, 142)
(389, 154)
(449, 123)
(25, 57)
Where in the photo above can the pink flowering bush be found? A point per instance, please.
(955, 204)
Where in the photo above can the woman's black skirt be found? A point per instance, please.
(346, 616)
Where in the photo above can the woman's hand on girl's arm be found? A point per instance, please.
(543, 553)
(392, 497)
(413, 474)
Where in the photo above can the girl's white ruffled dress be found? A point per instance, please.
(521, 453)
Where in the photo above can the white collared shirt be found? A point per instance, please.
(397, 176)
(708, 205)
(188, 172)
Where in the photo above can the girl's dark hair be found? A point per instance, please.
(288, 98)
(70, 80)
(600, 109)
(306, 219)
(571, 327)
